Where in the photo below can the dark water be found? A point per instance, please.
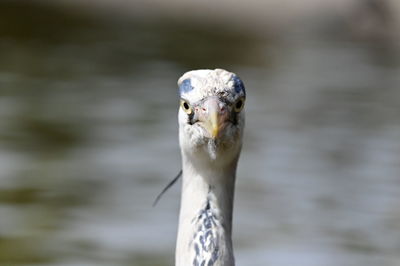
(88, 137)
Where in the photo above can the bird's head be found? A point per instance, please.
(211, 115)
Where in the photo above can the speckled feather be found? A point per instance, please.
(207, 237)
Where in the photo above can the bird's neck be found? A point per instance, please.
(205, 222)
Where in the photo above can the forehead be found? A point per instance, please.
(199, 84)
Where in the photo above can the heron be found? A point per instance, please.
(211, 121)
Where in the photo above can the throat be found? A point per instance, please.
(205, 221)
(212, 149)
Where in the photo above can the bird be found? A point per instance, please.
(211, 121)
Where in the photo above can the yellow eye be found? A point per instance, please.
(186, 107)
(239, 104)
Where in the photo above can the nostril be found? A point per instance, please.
(204, 109)
(222, 109)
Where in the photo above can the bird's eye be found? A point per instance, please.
(238, 106)
(186, 107)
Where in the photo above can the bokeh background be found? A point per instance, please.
(88, 128)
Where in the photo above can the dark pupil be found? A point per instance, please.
(239, 104)
(186, 106)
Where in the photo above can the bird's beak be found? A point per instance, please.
(213, 115)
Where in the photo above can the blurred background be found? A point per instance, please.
(88, 128)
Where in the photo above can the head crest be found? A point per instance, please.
(238, 84)
(198, 84)
(185, 86)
